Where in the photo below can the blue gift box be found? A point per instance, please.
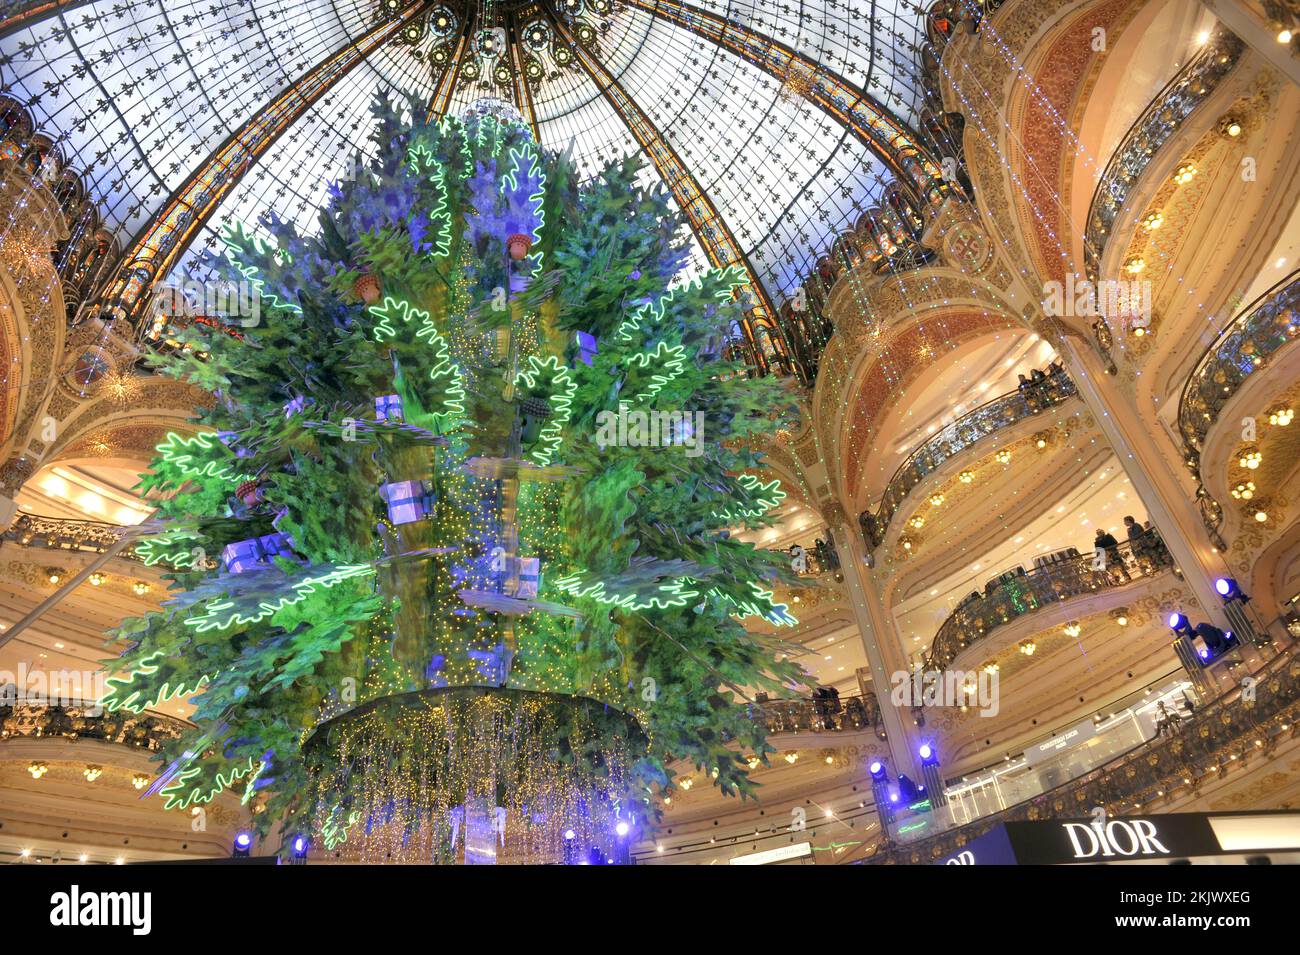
(276, 545)
(408, 501)
(240, 556)
(388, 408)
(587, 347)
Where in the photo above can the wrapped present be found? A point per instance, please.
(240, 556)
(530, 577)
(276, 545)
(408, 501)
(586, 347)
(388, 408)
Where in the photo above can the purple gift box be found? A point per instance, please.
(243, 555)
(408, 501)
(388, 408)
(530, 577)
(587, 347)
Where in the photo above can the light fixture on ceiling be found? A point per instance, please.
(1250, 459)
(1281, 417)
(140, 588)
(966, 477)
(1244, 491)
(1185, 173)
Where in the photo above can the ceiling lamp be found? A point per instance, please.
(1261, 516)
(1135, 265)
(1122, 619)
(92, 773)
(1281, 417)
(991, 667)
(918, 522)
(936, 499)
(1028, 648)
(38, 769)
(139, 780)
(140, 588)
(1073, 629)
(966, 477)
(1230, 127)
(1250, 459)
(54, 575)
(1003, 456)
(1284, 36)
(1244, 491)
(1185, 173)
(1040, 441)
(96, 579)
(791, 757)
(1154, 221)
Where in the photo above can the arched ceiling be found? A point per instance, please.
(142, 96)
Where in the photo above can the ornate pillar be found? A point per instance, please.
(1172, 510)
(885, 655)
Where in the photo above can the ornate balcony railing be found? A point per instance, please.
(815, 559)
(83, 720)
(987, 419)
(847, 714)
(58, 533)
(1228, 732)
(1243, 349)
(1156, 126)
(1018, 594)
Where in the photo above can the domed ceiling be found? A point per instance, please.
(776, 123)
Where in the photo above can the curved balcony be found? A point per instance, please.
(1017, 593)
(57, 533)
(989, 418)
(1162, 118)
(1244, 348)
(1230, 730)
(146, 731)
(844, 715)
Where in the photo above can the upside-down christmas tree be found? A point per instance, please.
(428, 602)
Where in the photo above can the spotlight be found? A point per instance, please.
(877, 770)
(300, 846)
(926, 752)
(1228, 589)
(1177, 622)
(621, 828)
(569, 835)
(243, 843)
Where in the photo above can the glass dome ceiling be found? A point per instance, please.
(165, 106)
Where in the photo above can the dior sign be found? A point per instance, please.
(1118, 837)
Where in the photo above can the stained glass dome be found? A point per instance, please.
(774, 125)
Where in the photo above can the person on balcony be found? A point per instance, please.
(1106, 543)
(827, 700)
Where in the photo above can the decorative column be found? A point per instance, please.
(885, 655)
(1169, 504)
